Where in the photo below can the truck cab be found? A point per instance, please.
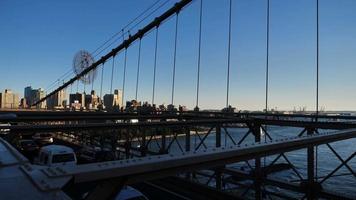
(56, 155)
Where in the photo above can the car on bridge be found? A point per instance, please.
(56, 155)
(130, 193)
(43, 138)
(91, 154)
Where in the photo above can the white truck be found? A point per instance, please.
(56, 155)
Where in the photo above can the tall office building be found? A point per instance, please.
(77, 100)
(57, 101)
(92, 100)
(33, 95)
(28, 95)
(9, 100)
(112, 101)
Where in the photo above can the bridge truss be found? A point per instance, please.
(180, 138)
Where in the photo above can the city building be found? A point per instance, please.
(33, 95)
(57, 101)
(9, 100)
(77, 100)
(23, 103)
(92, 101)
(113, 101)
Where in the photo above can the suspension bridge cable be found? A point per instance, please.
(199, 52)
(148, 15)
(267, 69)
(112, 73)
(162, 18)
(54, 82)
(115, 35)
(317, 83)
(77, 85)
(127, 25)
(84, 84)
(92, 82)
(228, 57)
(155, 67)
(123, 80)
(317, 59)
(175, 57)
(267, 55)
(101, 82)
(135, 25)
(138, 67)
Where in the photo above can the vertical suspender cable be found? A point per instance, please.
(77, 85)
(317, 83)
(228, 57)
(92, 82)
(124, 78)
(84, 84)
(267, 56)
(317, 59)
(138, 67)
(154, 68)
(175, 57)
(112, 73)
(199, 52)
(267, 69)
(101, 82)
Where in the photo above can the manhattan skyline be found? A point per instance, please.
(39, 40)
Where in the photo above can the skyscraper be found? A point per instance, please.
(57, 101)
(112, 101)
(9, 99)
(33, 95)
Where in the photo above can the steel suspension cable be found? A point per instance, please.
(317, 59)
(155, 67)
(84, 84)
(317, 83)
(138, 67)
(101, 82)
(77, 85)
(228, 57)
(112, 73)
(175, 58)
(124, 78)
(92, 82)
(199, 52)
(267, 70)
(267, 55)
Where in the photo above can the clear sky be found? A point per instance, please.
(38, 40)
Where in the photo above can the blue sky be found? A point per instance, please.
(38, 40)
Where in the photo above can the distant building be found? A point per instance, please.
(23, 103)
(33, 95)
(92, 100)
(112, 101)
(57, 101)
(9, 99)
(28, 95)
(77, 100)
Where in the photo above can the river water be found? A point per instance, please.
(327, 161)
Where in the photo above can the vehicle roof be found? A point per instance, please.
(57, 149)
(128, 192)
(26, 140)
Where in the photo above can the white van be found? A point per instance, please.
(56, 155)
